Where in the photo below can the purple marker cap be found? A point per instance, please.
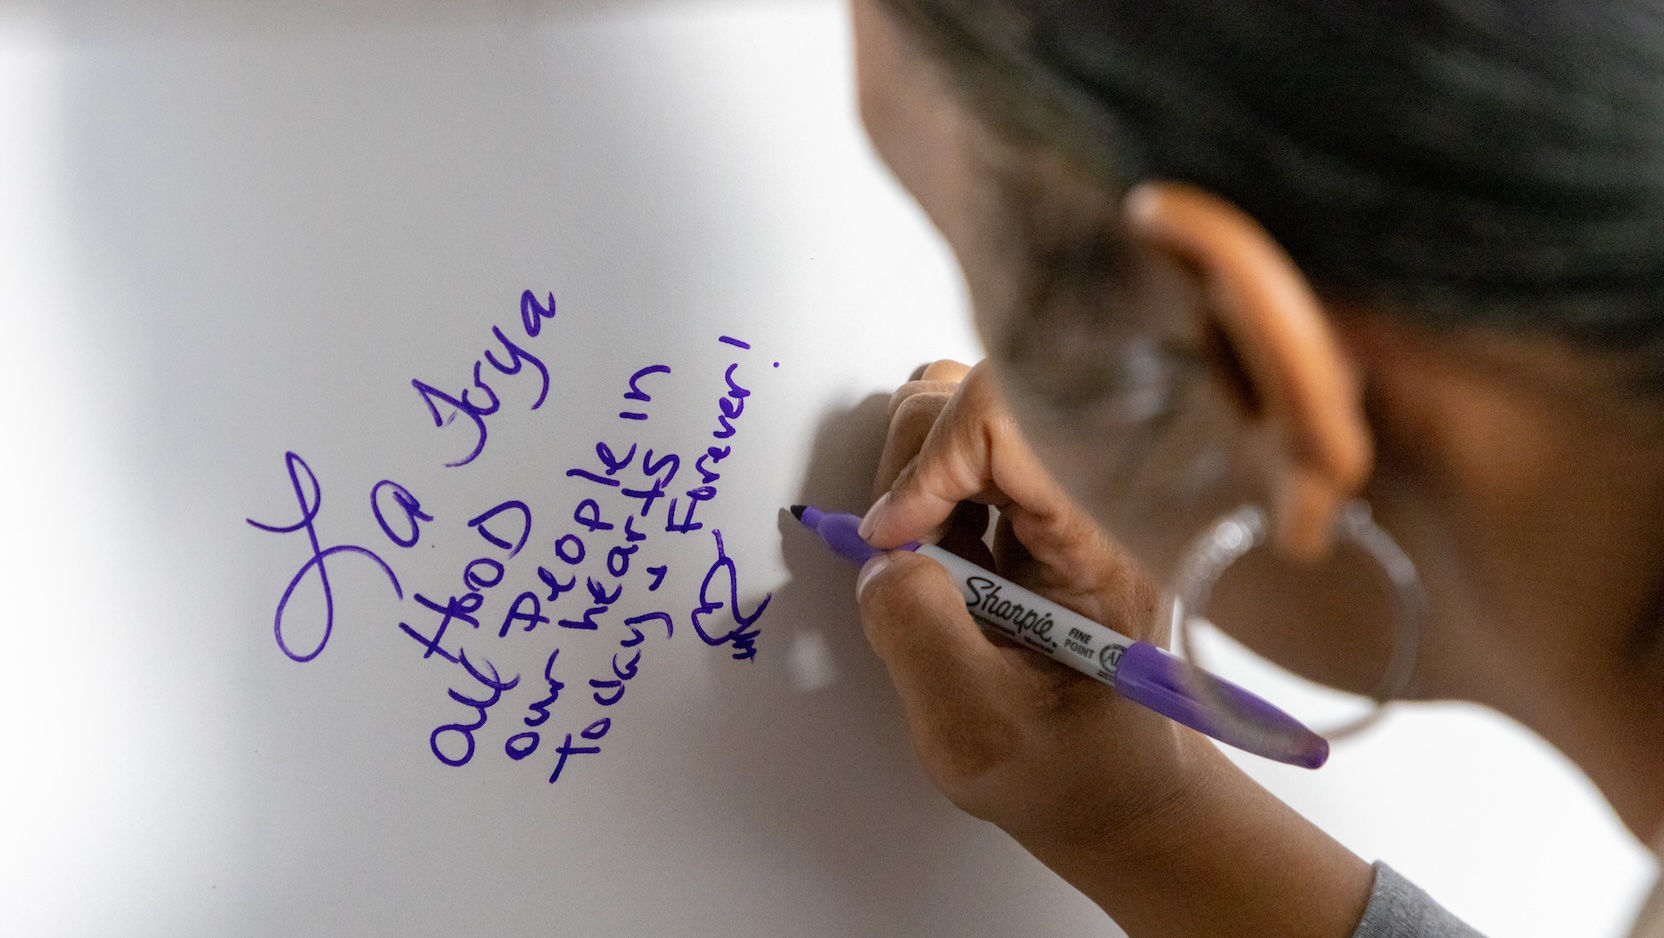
(1171, 687)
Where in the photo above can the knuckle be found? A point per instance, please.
(909, 427)
(977, 402)
(944, 369)
(981, 390)
(914, 389)
(979, 378)
(901, 394)
(915, 416)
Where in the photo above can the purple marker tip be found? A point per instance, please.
(841, 533)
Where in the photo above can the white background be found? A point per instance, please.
(227, 233)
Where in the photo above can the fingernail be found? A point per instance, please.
(875, 514)
(869, 570)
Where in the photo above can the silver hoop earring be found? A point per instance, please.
(1246, 528)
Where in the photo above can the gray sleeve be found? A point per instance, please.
(1397, 909)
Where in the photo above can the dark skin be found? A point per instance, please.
(1523, 475)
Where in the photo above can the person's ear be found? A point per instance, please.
(1304, 395)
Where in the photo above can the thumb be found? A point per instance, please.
(954, 683)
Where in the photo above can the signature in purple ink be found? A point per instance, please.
(742, 636)
(310, 498)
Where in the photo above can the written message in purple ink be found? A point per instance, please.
(581, 594)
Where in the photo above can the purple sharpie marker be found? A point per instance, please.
(1138, 671)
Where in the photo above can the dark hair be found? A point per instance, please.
(1468, 162)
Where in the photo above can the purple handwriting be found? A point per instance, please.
(465, 731)
(311, 499)
(445, 407)
(742, 636)
(576, 578)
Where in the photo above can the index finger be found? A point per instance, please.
(973, 452)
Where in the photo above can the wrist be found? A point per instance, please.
(1148, 817)
(1213, 854)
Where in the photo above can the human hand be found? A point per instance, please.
(1142, 815)
(1009, 735)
